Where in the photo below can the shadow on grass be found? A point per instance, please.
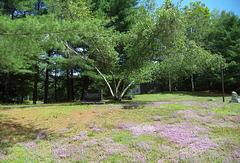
(12, 132)
(110, 101)
(22, 106)
(131, 106)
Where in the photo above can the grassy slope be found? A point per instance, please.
(200, 131)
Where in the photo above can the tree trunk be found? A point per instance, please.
(192, 81)
(55, 85)
(72, 85)
(38, 6)
(68, 86)
(47, 80)
(170, 83)
(6, 87)
(222, 76)
(35, 92)
(22, 98)
(13, 14)
(22, 90)
(86, 83)
(46, 87)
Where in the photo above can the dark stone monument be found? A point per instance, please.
(128, 97)
(93, 97)
(235, 98)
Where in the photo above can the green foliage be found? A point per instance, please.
(197, 21)
(188, 57)
(224, 39)
(121, 12)
(124, 44)
(152, 32)
(16, 8)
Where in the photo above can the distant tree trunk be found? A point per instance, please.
(22, 89)
(72, 85)
(222, 77)
(170, 83)
(35, 92)
(46, 80)
(46, 87)
(13, 14)
(22, 98)
(6, 88)
(192, 81)
(38, 5)
(68, 86)
(55, 85)
(86, 83)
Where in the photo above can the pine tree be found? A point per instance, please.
(225, 40)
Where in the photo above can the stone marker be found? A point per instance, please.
(235, 98)
(128, 97)
(93, 97)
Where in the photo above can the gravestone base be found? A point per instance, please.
(235, 101)
(100, 102)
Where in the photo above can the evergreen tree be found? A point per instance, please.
(224, 39)
(120, 12)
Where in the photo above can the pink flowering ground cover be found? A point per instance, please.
(154, 132)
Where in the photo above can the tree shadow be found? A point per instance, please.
(9, 106)
(12, 132)
(131, 106)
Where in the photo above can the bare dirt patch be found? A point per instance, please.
(55, 118)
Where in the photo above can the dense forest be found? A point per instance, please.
(52, 51)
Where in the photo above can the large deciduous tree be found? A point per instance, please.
(144, 44)
(190, 58)
(197, 27)
(198, 24)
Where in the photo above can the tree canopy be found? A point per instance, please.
(121, 42)
(224, 39)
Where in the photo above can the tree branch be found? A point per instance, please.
(129, 85)
(41, 33)
(82, 57)
(124, 91)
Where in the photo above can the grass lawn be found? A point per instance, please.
(177, 127)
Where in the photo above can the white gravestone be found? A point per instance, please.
(235, 98)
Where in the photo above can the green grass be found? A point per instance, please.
(177, 96)
(73, 134)
(55, 112)
(164, 97)
(122, 137)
